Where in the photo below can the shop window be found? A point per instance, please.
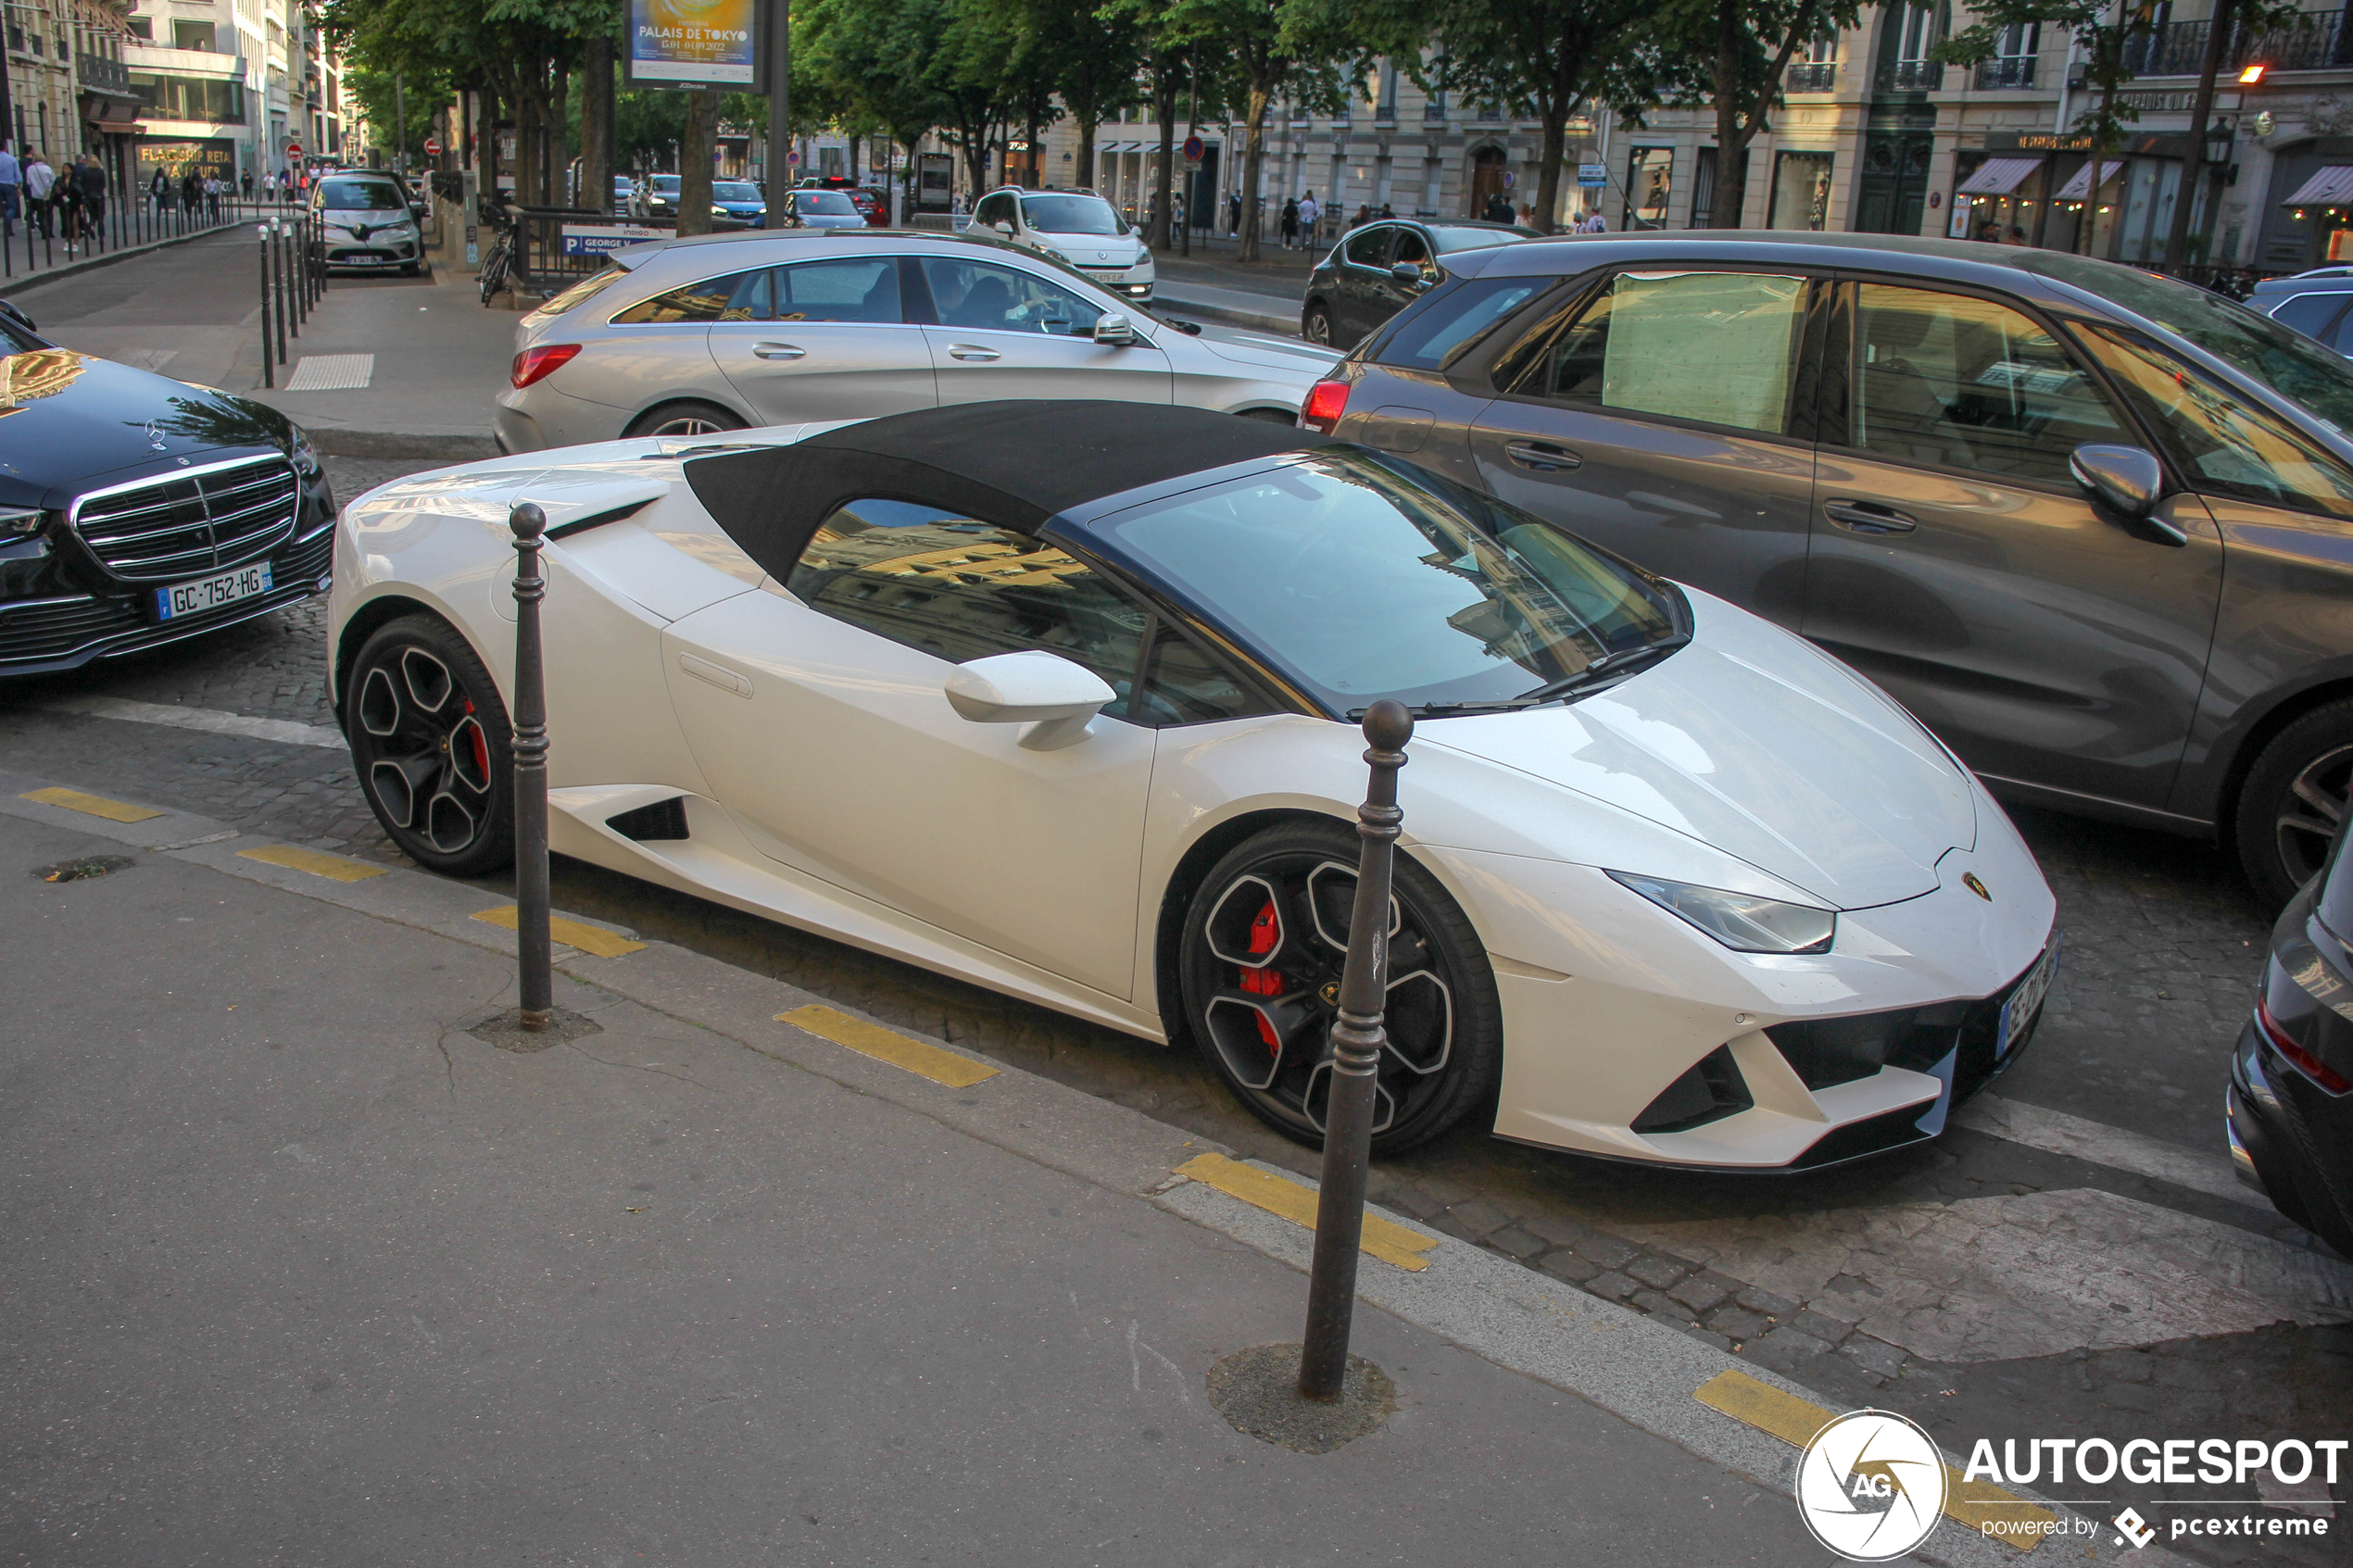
(1801, 190)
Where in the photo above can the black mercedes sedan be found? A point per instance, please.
(1378, 269)
(136, 510)
(2290, 1106)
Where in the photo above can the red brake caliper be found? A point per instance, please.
(1265, 933)
(482, 746)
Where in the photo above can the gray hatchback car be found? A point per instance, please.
(2093, 527)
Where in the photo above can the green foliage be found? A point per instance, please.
(423, 95)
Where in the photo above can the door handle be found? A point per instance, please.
(972, 351)
(1541, 456)
(726, 680)
(1869, 517)
(778, 351)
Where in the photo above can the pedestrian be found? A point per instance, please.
(1387, 211)
(11, 188)
(1233, 212)
(1364, 216)
(245, 179)
(90, 180)
(1290, 223)
(1498, 209)
(1310, 214)
(38, 178)
(156, 188)
(192, 192)
(1595, 223)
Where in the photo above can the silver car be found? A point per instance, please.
(725, 332)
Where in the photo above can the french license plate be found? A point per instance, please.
(2026, 1001)
(361, 258)
(211, 593)
(1107, 277)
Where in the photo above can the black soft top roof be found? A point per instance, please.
(1014, 464)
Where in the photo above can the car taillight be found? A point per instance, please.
(2311, 1066)
(1326, 402)
(537, 364)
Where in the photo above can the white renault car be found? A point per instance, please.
(369, 221)
(1077, 227)
(1062, 699)
(726, 332)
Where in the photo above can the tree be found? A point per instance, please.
(1090, 54)
(695, 149)
(1736, 54)
(874, 58)
(422, 96)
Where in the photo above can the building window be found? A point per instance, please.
(2013, 63)
(1385, 106)
(188, 97)
(1801, 192)
(1817, 72)
(1649, 180)
(192, 35)
(141, 27)
(1913, 31)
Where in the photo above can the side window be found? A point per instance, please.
(1185, 685)
(960, 589)
(1715, 346)
(990, 297)
(705, 301)
(2223, 443)
(854, 288)
(1967, 383)
(1411, 247)
(992, 210)
(2307, 313)
(752, 301)
(1369, 247)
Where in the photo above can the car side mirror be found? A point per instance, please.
(1406, 272)
(2128, 480)
(1114, 330)
(1044, 690)
(1004, 228)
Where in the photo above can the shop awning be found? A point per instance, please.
(1998, 176)
(2078, 184)
(2332, 186)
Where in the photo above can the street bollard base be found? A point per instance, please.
(1258, 1390)
(510, 1029)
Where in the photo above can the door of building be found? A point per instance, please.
(1894, 193)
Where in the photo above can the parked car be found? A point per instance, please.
(2313, 303)
(625, 190)
(1077, 227)
(369, 221)
(136, 510)
(2089, 525)
(656, 195)
(723, 331)
(1062, 698)
(824, 210)
(1378, 269)
(875, 204)
(2290, 1106)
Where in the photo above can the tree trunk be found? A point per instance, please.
(1034, 175)
(694, 161)
(2217, 43)
(1548, 173)
(1082, 158)
(1731, 152)
(526, 133)
(1164, 104)
(559, 134)
(595, 125)
(1254, 164)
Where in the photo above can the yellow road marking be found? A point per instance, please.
(570, 933)
(332, 867)
(1794, 1422)
(1389, 1242)
(89, 805)
(888, 1045)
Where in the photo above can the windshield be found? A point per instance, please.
(823, 201)
(1069, 215)
(361, 196)
(734, 191)
(1480, 239)
(667, 185)
(2279, 356)
(1362, 584)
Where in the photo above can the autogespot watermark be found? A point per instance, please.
(1871, 1484)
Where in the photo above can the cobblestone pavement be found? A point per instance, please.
(1986, 1287)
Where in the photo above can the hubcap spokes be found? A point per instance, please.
(1276, 941)
(2311, 810)
(430, 756)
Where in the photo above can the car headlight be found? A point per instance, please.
(305, 456)
(1743, 922)
(19, 522)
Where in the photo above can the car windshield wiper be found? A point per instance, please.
(1610, 664)
(1447, 710)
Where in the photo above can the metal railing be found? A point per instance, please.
(539, 264)
(1812, 75)
(2011, 70)
(2321, 43)
(1913, 76)
(58, 233)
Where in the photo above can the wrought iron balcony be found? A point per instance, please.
(1812, 75)
(2179, 48)
(2010, 70)
(1912, 76)
(100, 74)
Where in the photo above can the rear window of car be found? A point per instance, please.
(832, 202)
(1433, 333)
(584, 291)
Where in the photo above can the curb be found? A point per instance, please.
(1612, 1357)
(91, 263)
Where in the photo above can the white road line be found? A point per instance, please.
(283, 731)
(332, 372)
(2055, 1132)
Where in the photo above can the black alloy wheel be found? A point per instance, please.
(431, 743)
(1265, 940)
(683, 419)
(2292, 799)
(1316, 326)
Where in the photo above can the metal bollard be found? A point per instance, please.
(531, 774)
(289, 314)
(1357, 1040)
(269, 349)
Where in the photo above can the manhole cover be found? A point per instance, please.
(83, 870)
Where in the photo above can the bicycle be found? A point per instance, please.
(499, 261)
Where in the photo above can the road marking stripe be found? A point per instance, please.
(2055, 1132)
(1389, 1242)
(334, 867)
(90, 804)
(570, 933)
(1795, 1420)
(285, 731)
(919, 1056)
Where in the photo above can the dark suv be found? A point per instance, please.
(2093, 526)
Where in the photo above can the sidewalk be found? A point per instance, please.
(302, 1270)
